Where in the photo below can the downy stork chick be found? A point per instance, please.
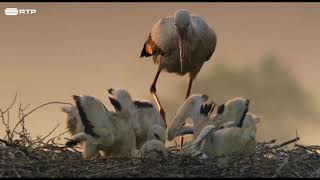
(73, 121)
(154, 149)
(228, 115)
(147, 121)
(232, 112)
(190, 109)
(75, 126)
(241, 135)
(107, 131)
(228, 141)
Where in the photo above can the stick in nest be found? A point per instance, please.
(286, 143)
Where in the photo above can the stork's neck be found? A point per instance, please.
(199, 121)
(191, 33)
(230, 116)
(130, 109)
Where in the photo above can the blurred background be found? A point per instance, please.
(267, 52)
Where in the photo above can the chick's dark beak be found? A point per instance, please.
(205, 97)
(110, 91)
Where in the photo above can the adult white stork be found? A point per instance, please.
(179, 44)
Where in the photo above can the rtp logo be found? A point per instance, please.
(16, 11)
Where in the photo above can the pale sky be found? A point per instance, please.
(78, 48)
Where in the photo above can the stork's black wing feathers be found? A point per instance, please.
(220, 109)
(115, 103)
(144, 52)
(72, 143)
(150, 48)
(140, 104)
(206, 109)
(209, 56)
(88, 127)
(240, 124)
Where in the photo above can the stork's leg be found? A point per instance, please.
(189, 87)
(188, 94)
(153, 91)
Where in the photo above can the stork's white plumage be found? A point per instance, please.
(179, 44)
(111, 133)
(147, 121)
(229, 114)
(230, 140)
(73, 121)
(105, 131)
(233, 111)
(230, 131)
(194, 107)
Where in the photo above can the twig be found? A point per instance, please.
(295, 173)
(307, 148)
(18, 175)
(50, 132)
(52, 139)
(5, 142)
(45, 104)
(286, 143)
(316, 174)
(278, 171)
(12, 103)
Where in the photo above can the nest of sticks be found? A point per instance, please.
(50, 160)
(23, 156)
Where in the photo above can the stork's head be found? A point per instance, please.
(235, 109)
(157, 132)
(182, 24)
(120, 99)
(192, 108)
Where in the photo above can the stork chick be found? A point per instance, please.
(147, 121)
(73, 121)
(190, 109)
(233, 110)
(228, 115)
(230, 140)
(107, 131)
(226, 136)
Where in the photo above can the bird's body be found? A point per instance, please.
(179, 44)
(229, 114)
(110, 133)
(103, 130)
(147, 121)
(230, 131)
(230, 140)
(73, 121)
(163, 45)
(195, 109)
